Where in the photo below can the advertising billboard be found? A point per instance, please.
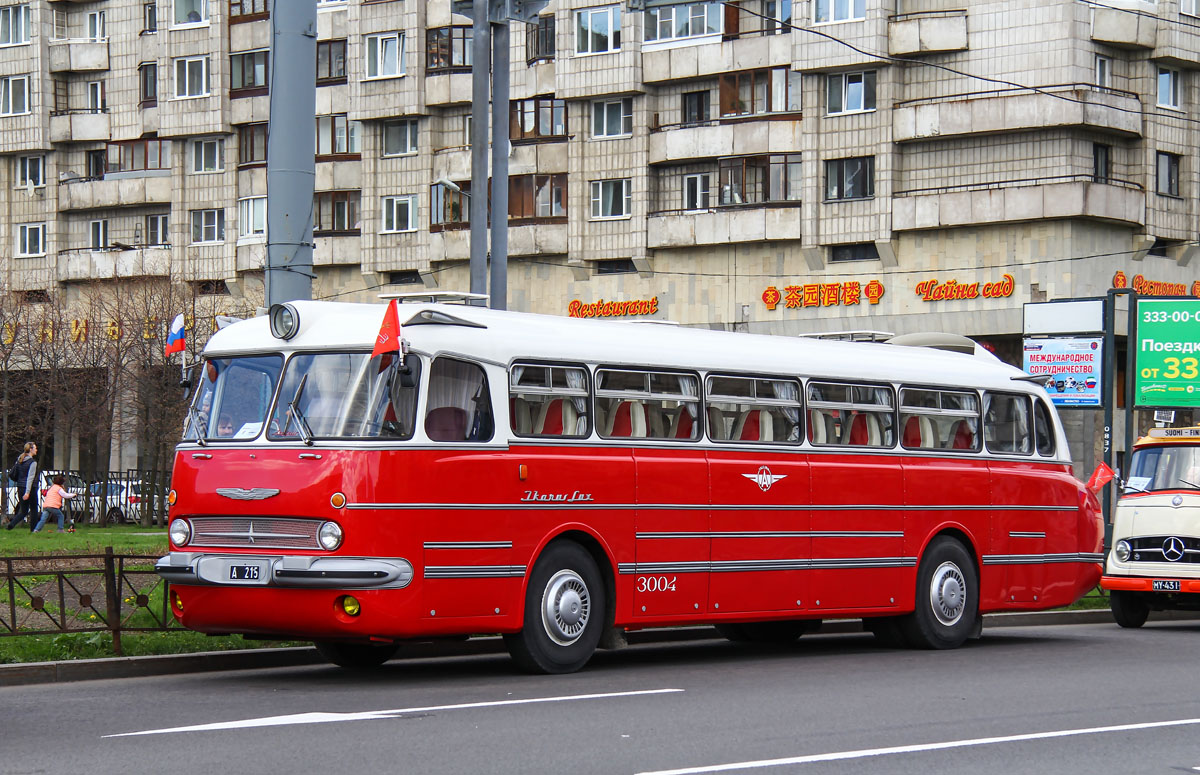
(1074, 363)
(1168, 353)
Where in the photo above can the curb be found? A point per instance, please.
(22, 674)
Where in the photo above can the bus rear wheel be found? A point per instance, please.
(564, 612)
(947, 597)
(1128, 609)
(781, 632)
(356, 656)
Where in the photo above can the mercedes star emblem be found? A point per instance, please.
(1173, 549)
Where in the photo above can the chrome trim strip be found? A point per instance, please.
(287, 571)
(467, 545)
(745, 566)
(1025, 534)
(778, 534)
(694, 507)
(473, 571)
(1041, 559)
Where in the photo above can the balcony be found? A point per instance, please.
(532, 237)
(767, 133)
(699, 60)
(1051, 198)
(930, 32)
(447, 88)
(83, 55)
(1125, 24)
(1012, 110)
(150, 187)
(79, 126)
(85, 264)
(762, 222)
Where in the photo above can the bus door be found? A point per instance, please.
(672, 532)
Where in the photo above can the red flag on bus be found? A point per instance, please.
(388, 340)
(1100, 477)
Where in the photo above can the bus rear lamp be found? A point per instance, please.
(172, 496)
(181, 532)
(337, 500)
(350, 605)
(1121, 550)
(330, 535)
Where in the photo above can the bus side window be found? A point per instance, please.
(1006, 423)
(865, 414)
(1043, 429)
(548, 400)
(760, 410)
(458, 407)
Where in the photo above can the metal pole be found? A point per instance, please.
(500, 145)
(1130, 357)
(1106, 390)
(480, 61)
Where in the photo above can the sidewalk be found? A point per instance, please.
(251, 659)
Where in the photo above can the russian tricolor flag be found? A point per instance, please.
(175, 338)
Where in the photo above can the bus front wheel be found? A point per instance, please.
(564, 612)
(356, 656)
(947, 597)
(1128, 609)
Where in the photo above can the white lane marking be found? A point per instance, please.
(868, 752)
(366, 715)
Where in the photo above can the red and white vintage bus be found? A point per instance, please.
(561, 481)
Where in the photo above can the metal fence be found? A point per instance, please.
(84, 593)
(113, 499)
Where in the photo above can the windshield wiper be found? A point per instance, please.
(294, 413)
(1189, 484)
(197, 425)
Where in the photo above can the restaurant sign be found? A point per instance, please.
(846, 294)
(1155, 287)
(953, 290)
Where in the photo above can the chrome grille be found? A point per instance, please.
(255, 532)
(1150, 549)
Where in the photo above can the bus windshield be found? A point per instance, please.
(233, 397)
(1175, 467)
(346, 395)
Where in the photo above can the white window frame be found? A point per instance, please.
(375, 51)
(252, 219)
(7, 104)
(598, 189)
(35, 164)
(200, 153)
(407, 129)
(844, 83)
(161, 229)
(835, 11)
(1172, 87)
(390, 222)
(613, 42)
(697, 191)
(603, 110)
(662, 23)
(211, 219)
(150, 16)
(95, 95)
(98, 234)
(24, 230)
(14, 25)
(1103, 75)
(1188, 8)
(186, 63)
(203, 13)
(95, 26)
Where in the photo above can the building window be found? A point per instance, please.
(211, 288)
(336, 213)
(404, 277)
(239, 10)
(150, 17)
(1188, 7)
(839, 10)
(252, 218)
(14, 25)
(399, 213)
(760, 179)
(191, 77)
(598, 30)
(208, 155)
(385, 55)
(1167, 180)
(760, 91)
(14, 95)
(673, 22)
(31, 171)
(861, 251)
(537, 196)
(157, 231)
(851, 92)
(336, 136)
(696, 190)
(248, 74)
(95, 97)
(1101, 162)
(612, 118)
(697, 106)
(60, 24)
(137, 156)
(252, 144)
(850, 178)
(34, 297)
(1104, 71)
(399, 137)
(1168, 88)
(208, 226)
(448, 49)
(537, 117)
(31, 239)
(331, 62)
(611, 198)
(448, 207)
(97, 162)
(539, 40)
(191, 11)
(616, 266)
(98, 231)
(148, 84)
(95, 26)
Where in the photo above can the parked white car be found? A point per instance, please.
(121, 501)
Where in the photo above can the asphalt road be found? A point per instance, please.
(1062, 699)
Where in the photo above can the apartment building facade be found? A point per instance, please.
(777, 166)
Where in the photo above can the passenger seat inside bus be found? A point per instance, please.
(521, 415)
(556, 418)
(862, 431)
(821, 427)
(716, 424)
(446, 423)
(919, 433)
(628, 420)
(682, 424)
(754, 425)
(961, 436)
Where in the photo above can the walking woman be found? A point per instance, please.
(27, 494)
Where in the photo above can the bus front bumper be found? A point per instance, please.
(248, 570)
(1158, 584)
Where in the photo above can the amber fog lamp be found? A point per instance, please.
(172, 496)
(285, 321)
(338, 500)
(350, 605)
(176, 601)
(180, 532)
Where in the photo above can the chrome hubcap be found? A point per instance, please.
(566, 606)
(948, 594)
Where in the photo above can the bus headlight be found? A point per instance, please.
(1121, 550)
(330, 535)
(181, 532)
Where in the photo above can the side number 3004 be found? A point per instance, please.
(656, 584)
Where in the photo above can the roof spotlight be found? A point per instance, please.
(285, 321)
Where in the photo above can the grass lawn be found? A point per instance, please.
(97, 645)
(87, 539)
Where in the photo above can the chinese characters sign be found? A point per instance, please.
(847, 294)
